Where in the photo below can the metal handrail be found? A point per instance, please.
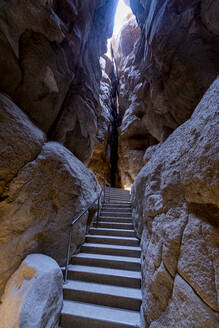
(103, 190)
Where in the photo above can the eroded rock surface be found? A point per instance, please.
(175, 198)
(33, 295)
(100, 161)
(44, 187)
(165, 73)
(49, 65)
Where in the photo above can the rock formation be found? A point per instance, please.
(100, 161)
(49, 65)
(164, 74)
(33, 295)
(43, 187)
(175, 206)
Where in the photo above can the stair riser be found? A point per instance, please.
(118, 204)
(115, 225)
(118, 198)
(102, 299)
(107, 263)
(105, 279)
(111, 241)
(116, 214)
(68, 321)
(118, 220)
(108, 251)
(118, 209)
(113, 233)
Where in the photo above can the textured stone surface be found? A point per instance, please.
(20, 140)
(44, 190)
(175, 199)
(33, 295)
(100, 161)
(49, 65)
(168, 70)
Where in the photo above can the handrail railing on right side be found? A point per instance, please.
(103, 191)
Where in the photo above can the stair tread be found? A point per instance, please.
(96, 288)
(112, 229)
(108, 257)
(134, 248)
(105, 271)
(114, 237)
(102, 313)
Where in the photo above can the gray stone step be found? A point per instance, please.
(115, 219)
(115, 214)
(108, 276)
(101, 294)
(115, 225)
(111, 249)
(118, 209)
(112, 232)
(115, 209)
(78, 314)
(117, 205)
(107, 261)
(128, 241)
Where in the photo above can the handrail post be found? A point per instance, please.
(68, 256)
(104, 192)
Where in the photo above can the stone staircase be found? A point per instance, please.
(104, 279)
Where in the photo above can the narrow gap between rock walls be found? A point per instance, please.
(122, 11)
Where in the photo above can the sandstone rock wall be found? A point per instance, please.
(33, 295)
(49, 65)
(175, 206)
(100, 160)
(165, 74)
(43, 187)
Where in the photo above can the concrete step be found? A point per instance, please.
(78, 314)
(117, 209)
(118, 203)
(126, 205)
(101, 294)
(111, 249)
(112, 232)
(115, 225)
(108, 276)
(115, 219)
(107, 261)
(116, 214)
(120, 198)
(128, 241)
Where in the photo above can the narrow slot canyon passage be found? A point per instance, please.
(109, 188)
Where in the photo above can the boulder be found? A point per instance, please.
(20, 140)
(175, 207)
(45, 188)
(33, 295)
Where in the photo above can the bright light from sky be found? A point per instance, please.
(121, 12)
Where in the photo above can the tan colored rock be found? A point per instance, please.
(167, 71)
(20, 141)
(45, 188)
(175, 208)
(42, 201)
(33, 295)
(100, 160)
(185, 309)
(49, 65)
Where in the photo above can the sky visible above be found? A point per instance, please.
(121, 12)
